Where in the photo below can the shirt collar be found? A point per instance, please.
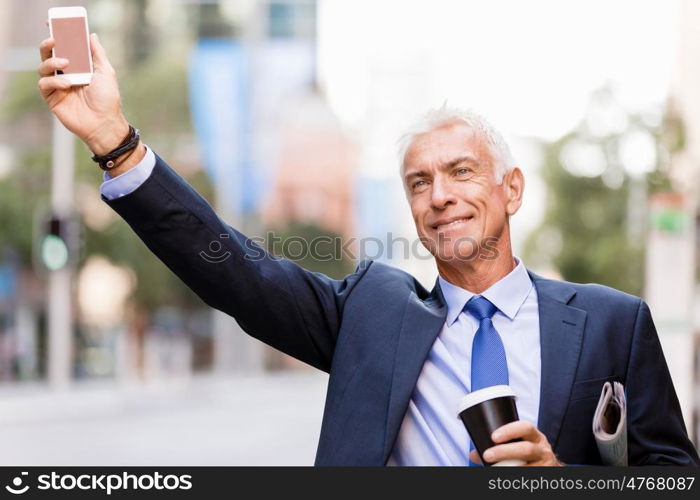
(507, 294)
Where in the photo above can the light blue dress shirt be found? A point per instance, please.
(431, 432)
(130, 180)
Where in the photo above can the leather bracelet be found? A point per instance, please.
(108, 161)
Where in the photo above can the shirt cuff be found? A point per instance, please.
(130, 180)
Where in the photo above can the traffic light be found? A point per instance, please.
(55, 244)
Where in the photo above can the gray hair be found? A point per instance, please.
(439, 117)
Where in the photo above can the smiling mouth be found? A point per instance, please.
(454, 223)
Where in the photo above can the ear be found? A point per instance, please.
(514, 185)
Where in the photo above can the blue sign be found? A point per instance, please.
(8, 282)
(219, 76)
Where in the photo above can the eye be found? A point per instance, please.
(418, 184)
(463, 171)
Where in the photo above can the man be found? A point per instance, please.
(400, 357)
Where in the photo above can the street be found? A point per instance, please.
(269, 419)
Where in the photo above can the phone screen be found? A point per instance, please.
(72, 43)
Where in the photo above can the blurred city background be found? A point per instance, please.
(285, 115)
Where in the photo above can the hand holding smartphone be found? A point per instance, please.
(69, 28)
(80, 86)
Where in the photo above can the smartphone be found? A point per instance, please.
(69, 28)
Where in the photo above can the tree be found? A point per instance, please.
(598, 178)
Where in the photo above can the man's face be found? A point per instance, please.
(455, 200)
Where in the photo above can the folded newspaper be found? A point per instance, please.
(610, 424)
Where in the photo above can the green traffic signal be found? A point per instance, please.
(54, 252)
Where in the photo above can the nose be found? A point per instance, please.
(442, 193)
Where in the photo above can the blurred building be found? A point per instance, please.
(314, 179)
(673, 285)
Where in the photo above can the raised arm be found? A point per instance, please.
(274, 300)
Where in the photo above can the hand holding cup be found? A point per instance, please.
(500, 439)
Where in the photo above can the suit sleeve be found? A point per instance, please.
(655, 429)
(274, 300)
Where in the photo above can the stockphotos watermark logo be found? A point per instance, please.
(18, 487)
(106, 483)
(326, 248)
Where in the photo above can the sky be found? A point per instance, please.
(530, 66)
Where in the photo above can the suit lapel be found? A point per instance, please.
(422, 322)
(561, 337)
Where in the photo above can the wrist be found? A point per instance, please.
(107, 137)
(128, 161)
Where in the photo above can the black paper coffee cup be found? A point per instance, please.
(486, 410)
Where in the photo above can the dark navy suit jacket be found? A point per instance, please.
(372, 332)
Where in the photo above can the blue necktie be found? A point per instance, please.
(489, 363)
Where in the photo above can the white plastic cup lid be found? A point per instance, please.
(476, 397)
